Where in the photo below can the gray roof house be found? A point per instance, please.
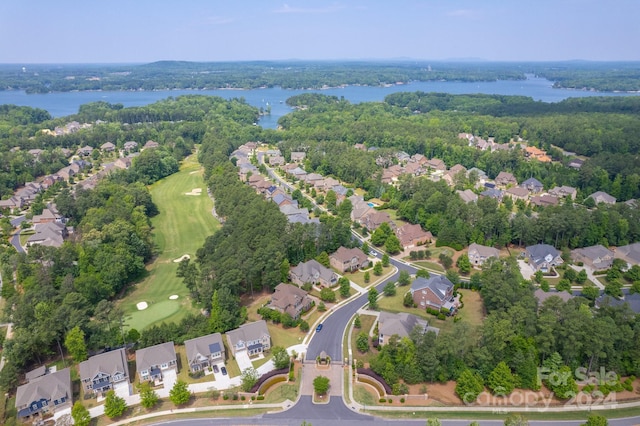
(107, 147)
(254, 338)
(435, 292)
(602, 197)
(48, 393)
(204, 352)
(400, 324)
(289, 299)
(50, 234)
(542, 257)
(130, 145)
(468, 196)
(154, 362)
(102, 372)
(629, 253)
(479, 254)
(633, 300)
(597, 257)
(313, 272)
(532, 185)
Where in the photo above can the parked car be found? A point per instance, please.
(224, 371)
(318, 328)
(216, 369)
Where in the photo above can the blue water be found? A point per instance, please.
(67, 103)
(371, 204)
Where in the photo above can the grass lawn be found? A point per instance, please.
(367, 322)
(472, 312)
(362, 395)
(25, 235)
(181, 228)
(429, 265)
(358, 277)
(284, 337)
(181, 353)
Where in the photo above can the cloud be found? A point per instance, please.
(328, 9)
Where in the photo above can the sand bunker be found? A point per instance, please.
(181, 258)
(194, 172)
(194, 191)
(173, 297)
(141, 306)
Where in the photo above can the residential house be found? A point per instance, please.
(629, 253)
(312, 178)
(505, 179)
(450, 176)
(36, 372)
(492, 193)
(283, 199)
(418, 158)
(602, 197)
(154, 362)
(478, 254)
(50, 234)
(276, 160)
(36, 152)
(597, 257)
(350, 260)
(563, 191)
(150, 145)
(313, 272)
(414, 169)
(401, 325)
(49, 214)
(544, 200)
(411, 235)
(479, 175)
(204, 352)
(253, 338)
(360, 146)
(130, 145)
(84, 151)
(45, 394)
(542, 295)
(517, 193)
(402, 156)
(103, 372)
(297, 157)
(468, 196)
(374, 218)
(290, 299)
(435, 292)
(542, 257)
(532, 185)
(575, 163)
(108, 147)
(435, 164)
(533, 152)
(631, 299)
(123, 163)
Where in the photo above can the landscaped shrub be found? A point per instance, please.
(242, 398)
(197, 374)
(260, 397)
(402, 400)
(382, 400)
(372, 374)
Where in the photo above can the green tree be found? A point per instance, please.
(463, 264)
(367, 277)
(404, 278)
(75, 344)
(179, 393)
(357, 323)
(445, 261)
(345, 286)
(373, 298)
(423, 273)
(591, 292)
(389, 289)
(581, 278)
(392, 244)
(365, 248)
(468, 386)
(377, 269)
(323, 259)
(596, 420)
(570, 274)
(501, 380)
(362, 342)
(321, 385)
(562, 383)
(280, 357)
(327, 295)
(80, 414)
(434, 422)
(249, 377)
(330, 199)
(148, 397)
(385, 260)
(564, 285)
(613, 288)
(407, 301)
(114, 406)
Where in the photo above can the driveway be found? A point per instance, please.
(525, 269)
(122, 389)
(590, 275)
(242, 358)
(169, 378)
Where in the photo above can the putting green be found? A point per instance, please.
(181, 228)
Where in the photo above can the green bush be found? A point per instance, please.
(382, 400)
(402, 400)
(260, 397)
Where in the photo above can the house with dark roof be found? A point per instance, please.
(602, 197)
(411, 235)
(478, 254)
(597, 257)
(102, 372)
(542, 257)
(632, 299)
(494, 193)
(435, 292)
(629, 253)
(533, 185)
(542, 295)
(44, 394)
(51, 234)
(253, 337)
(289, 299)
(401, 325)
(563, 191)
(313, 272)
(544, 200)
(154, 362)
(204, 352)
(350, 260)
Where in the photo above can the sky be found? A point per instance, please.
(139, 31)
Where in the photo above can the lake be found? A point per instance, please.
(67, 103)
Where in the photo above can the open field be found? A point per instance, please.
(181, 228)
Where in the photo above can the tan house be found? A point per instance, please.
(563, 191)
(154, 362)
(597, 257)
(290, 299)
(505, 179)
(313, 272)
(204, 352)
(345, 259)
(253, 337)
(411, 235)
(375, 218)
(629, 253)
(517, 193)
(479, 254)
(108, 147)
(297, 157)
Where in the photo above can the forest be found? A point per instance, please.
(163, 75)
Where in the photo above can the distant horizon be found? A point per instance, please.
(127, 32)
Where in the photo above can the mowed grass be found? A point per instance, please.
(180, 228)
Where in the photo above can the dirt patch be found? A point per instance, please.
(194, 191)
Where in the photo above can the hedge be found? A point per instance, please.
(266, 376)
(369, 372)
